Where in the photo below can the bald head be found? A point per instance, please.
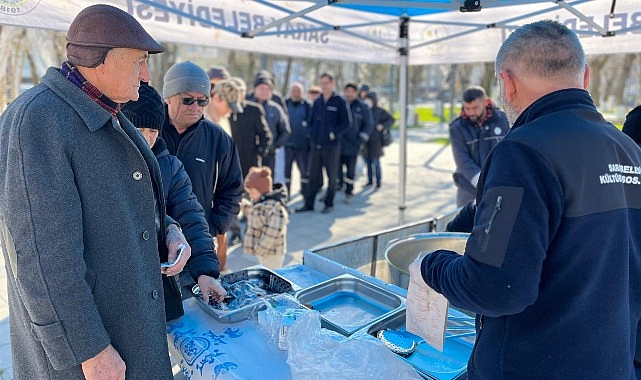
(546, 50)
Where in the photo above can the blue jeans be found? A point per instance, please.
(373, 168)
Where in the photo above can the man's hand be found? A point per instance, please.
(210, 288)
(107, 365)
(174, 239)
(380, 127)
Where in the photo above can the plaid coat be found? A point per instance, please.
(267, 226)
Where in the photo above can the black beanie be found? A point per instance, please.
(632, 125)
(148, 111)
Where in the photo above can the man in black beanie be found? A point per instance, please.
(82, 218)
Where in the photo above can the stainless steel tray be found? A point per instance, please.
(273, 285)
(430, 363)
(347, 303)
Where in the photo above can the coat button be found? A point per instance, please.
(137, 176)
(145, 235)
(154, 294)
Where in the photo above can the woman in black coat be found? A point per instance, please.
(147, 114)
(383, 121)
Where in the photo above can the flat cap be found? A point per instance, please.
(99, 28)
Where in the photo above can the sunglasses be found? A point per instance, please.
(190, 101)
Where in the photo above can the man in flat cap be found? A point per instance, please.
(82, 218)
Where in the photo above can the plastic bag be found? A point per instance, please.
(317, 354)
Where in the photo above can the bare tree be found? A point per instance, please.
(596, 62)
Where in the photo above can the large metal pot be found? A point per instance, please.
(400, 253)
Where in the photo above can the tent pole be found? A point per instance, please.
(402, 105)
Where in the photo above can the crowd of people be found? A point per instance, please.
(117, 194)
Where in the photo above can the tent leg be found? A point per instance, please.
(402, 103)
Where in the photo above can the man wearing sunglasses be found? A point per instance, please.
(208, 153)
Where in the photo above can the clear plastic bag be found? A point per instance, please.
(317, 354)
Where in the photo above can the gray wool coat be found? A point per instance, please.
(78, 231)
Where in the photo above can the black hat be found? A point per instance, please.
(263, 80)
(148, 111)
(632, 125)
(364, 87)
(218, 72)
(100, 28)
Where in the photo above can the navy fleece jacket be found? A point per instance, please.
(553, 264)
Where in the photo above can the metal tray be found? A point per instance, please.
(430, 363)
(347, 303)
(274, 284)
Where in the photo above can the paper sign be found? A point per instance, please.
(426, 314)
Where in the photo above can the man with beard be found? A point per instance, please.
(473, 134)
(553, 264)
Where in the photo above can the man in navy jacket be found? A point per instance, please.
(330, 117)
(553, 263)
(208, 153)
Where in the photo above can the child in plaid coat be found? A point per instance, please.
(266, 220)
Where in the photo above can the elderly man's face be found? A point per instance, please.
(182, 115)
(475, 109)
(295, 93)
(122, 73)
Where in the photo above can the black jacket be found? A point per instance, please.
(359, 131)
(300, 114)
(278, 124)
(211, 160)
(329, 119)
(374, 146)
(251, 133)
(184, 208)
(464, 220)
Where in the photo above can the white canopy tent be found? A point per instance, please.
(402, 32)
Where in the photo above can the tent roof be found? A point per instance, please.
(354, 30)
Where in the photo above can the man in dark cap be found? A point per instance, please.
(278, 124)
(82, 215)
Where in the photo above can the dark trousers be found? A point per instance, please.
(301, 157)
(348, 162)
(319, 158)
(270, 161)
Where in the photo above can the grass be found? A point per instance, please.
(425, 114)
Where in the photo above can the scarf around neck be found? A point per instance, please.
(71, 72)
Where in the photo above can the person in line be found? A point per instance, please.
(353, 139)
(278, 125)
(383, 121)
(82, 217)
(214, 114)
(208, 153)
(473, 134)
(267, 219)
(147, 114)
(250, 130)
(553, 264)
(632, 128)
(362, 91)
(330, 118)
(297, 146)
(313, 93)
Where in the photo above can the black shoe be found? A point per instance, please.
(348, 198)
(368, 184)
(327, 209)
(304, 209)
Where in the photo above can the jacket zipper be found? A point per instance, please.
(488, 228)
(476, 342)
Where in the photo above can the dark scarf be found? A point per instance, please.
(71, 72)
(488, 114)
